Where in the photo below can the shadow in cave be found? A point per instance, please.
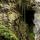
(29, 17)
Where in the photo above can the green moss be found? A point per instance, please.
(7, 33)
(31, 36)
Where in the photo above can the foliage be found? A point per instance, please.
(31, 36)
(15, 21)
(7, 33)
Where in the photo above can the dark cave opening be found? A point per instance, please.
(29, 14)
(29, 17)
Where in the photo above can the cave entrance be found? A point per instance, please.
(28, 16)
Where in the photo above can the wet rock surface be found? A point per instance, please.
(37, 21)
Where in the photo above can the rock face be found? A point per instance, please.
(37, 21)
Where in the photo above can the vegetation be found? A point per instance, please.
(13, 26)
(7, 33)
